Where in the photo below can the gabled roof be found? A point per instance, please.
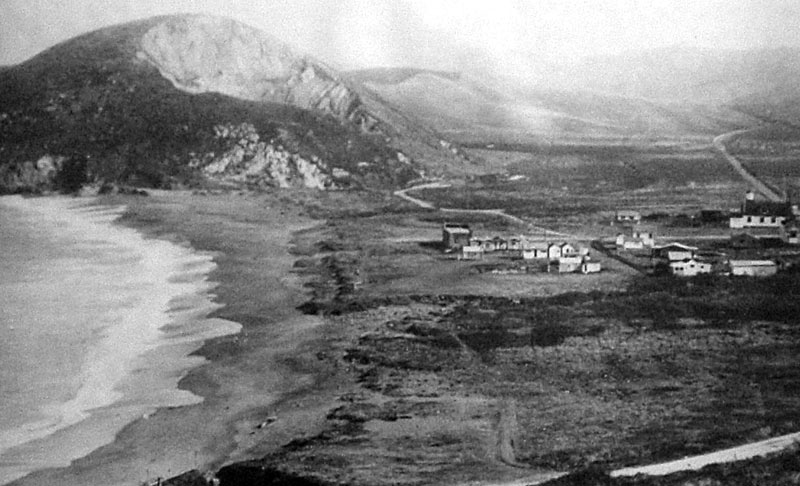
(766, 208)
(688, 260)
(679, 246)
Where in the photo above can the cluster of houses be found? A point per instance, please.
(688, 261)
(458, 239)
(759, 225)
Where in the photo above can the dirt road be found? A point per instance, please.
(747, 451)
(492, 212)
(719, 144)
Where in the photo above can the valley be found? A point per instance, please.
(386, 237)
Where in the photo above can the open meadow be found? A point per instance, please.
(459, 375)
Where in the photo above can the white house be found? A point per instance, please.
(471, 253)
(662, 251)
(761, 214)
(569, 264)
(534, 253)
(590, 267)
(689, 268)
(628, 216)
(677, 256)
(553, 251)
(568, 249)
(753, 268)
(640, 238)
(646, 235)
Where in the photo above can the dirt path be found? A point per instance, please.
(507, 433)
(719, 144)
(491, 212)
(747, 451)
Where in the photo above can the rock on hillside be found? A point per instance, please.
(142, 103)
(201, 54)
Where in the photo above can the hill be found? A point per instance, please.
(469, 107)
(190, 98)
(758, 82)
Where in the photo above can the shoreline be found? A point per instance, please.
(139, 345)
(242, 377)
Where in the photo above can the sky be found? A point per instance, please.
(438, 34)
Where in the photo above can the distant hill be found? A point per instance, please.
(190, 99)
(468, 107)
(758, 82)
(692, 75)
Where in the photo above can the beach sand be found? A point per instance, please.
(267, 370)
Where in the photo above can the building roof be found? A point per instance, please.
(457, 230)
(759, 233)
(536, 246)
(766, 208)
(677, 246)
(678, 255)
(752, 263)
(628, 212)
(688, 260)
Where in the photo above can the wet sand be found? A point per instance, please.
(268, 369)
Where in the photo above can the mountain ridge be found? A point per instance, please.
(145, 103)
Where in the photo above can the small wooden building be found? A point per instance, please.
(590, 267)
(471, 253)
(689, 268)
(753, 268)
(454, 236)
(628, 216)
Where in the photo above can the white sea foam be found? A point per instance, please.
(135, 309)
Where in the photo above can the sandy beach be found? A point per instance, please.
(261, 372)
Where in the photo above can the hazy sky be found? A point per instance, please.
(444, 34)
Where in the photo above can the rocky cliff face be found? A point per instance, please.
(247, 159)
(200, 54)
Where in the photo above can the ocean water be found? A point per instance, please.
(96, 327)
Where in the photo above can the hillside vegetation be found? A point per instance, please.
(144, 103)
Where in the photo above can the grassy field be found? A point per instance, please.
(569, 181)
(771, 154)
(459, 376)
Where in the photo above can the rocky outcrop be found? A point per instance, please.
(247, 159)
(211, 54)
(31, 177)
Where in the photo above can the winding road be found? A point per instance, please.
(403, 194)
(746, 451)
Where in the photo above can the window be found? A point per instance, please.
(774, 219)
(762, 219)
